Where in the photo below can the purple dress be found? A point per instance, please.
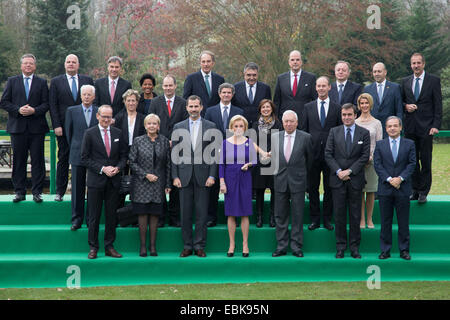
(238, 199)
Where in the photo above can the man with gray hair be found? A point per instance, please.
(343, 90)
(65, 92)
(109, 90)
(250, 92)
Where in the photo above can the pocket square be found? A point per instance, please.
(360, 142)
(116, 140)
(306, 84)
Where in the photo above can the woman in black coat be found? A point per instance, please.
(148, 83)
(265, 123)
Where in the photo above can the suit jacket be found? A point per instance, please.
(240, 99)
(391, 104)
(293, 174)
(214, 114)
(337, 158)
(386, 167)
(183, 165)
(122, 123)
(13, 98)
(306, 92)
(60, 97)
(350, 94)
(142, 107)
(102, 95)
(94, 156)
(75, 125)
(178, 114)
(148, 157)
(195, 84)
(311, 123)
(429, 106)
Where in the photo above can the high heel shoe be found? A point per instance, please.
(143, 252)
(230, 254)
(245, 255)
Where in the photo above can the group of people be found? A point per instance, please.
(230, 139)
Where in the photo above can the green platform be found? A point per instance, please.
(37, 248)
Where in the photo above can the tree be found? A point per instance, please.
(445, 83)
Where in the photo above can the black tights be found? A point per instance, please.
(144, 222)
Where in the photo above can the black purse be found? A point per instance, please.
(125, 184)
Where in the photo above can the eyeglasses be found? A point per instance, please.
(106, 117)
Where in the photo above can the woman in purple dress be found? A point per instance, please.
(238, 154)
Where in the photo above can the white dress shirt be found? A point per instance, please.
(286, 140)
(326, 106)
(421, 77)
(293, 78)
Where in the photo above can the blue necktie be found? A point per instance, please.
(380, 92)
(340, 93)
(74, 89)
(348, 141)
(250, 94)
(417, 89)
(394, 149)
(27, 87)
(87, 115)
(208, 88)
(322, 114)
(225, 118)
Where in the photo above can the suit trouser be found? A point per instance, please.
(79, 195)
(319, 166)
(22, 143)
(213, 202)
(387, 205)
(194, 196)
(296, 207)
(421, 177)
(96, 197)
(62, 167)
(345, 196)
(171, 208)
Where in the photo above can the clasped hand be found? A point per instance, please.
(110, 171)
(395, 182)
(344, 175)
(26, 110)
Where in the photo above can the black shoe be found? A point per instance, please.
(414, 196)
(328, 226)
(18, 198)
(405, 255)
(340, 254)
(230, 254)
(153, 254)
(313, 226)
(37, 198)
(75, 227)
(384, 255)
(259, 221)
(272, 221)
(278, 253)
(422, 198)
(58, 198)
(298, 253)
(210, 224)
(245, 255)
(355, 254)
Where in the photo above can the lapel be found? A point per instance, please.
(426, 83)
(98, 137)
(164, 106)
(341, 143)
(34, 84)
(202, 83)
(409, 86)
(356, 137)
(116, 94)
(386, 91)
(94, 120)
(67, 86)
(82, 117)
(281, 147)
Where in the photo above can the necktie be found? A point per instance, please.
(250, 94)
(27, 87)
(74, 89)
(169, 108)
(113, 90)
(417, 89)
(380, 92)
(193, 134)
(322, 114)
(294, 87)
(107, 145)
(340, 93)
(287, 151)
(225, 118)
(208, 87)
(348, 141)
(87, 115)
(394, 149)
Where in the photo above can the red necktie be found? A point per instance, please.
(107, 145)
(169, 109)
(113, 91)
(294, 87)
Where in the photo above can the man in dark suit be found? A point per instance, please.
(170, 109)
(318, 118)
(394, 160)
(104, 154)
(77, 120)
(204, 83)
(193, 174)
(250, 92)
(294, 157)
(422, 98)
(294, 88)
(343, 90)
(25, 98)
(346, 153)
(109, 90)
(65, 92)
(220, 114)
(387, 96)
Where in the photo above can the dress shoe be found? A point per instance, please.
(278, 253)
(422, 198)
(210, 224)
(18, 198)
(405, 255)
(58, 198)
(340, 254)
(200, 253)
(414, 196)
(355, 254)
(384, 255)
(245, 254)
(112, 253)
(75, 227)
(298, 253)
(313, 226)
(92, 254)
(185, 253)
(328, 226)
(37, 198)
